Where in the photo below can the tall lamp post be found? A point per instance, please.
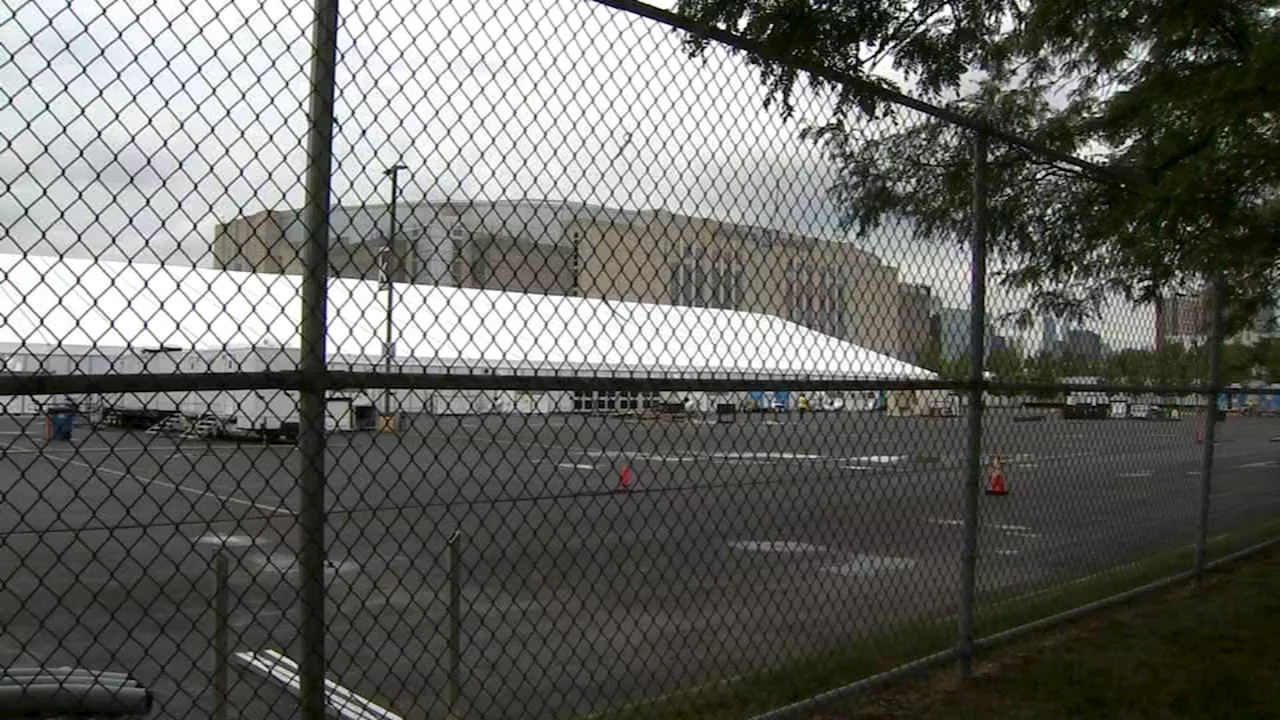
(388, 253)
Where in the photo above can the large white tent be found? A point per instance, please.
(84, 316)
(119, 308)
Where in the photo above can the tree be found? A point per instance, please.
(1273, 362)
(1005, 364)
(1043, 369)
(1238, 363)
(1177, 98)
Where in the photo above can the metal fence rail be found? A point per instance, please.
(616, 405)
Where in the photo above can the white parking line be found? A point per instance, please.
(1137, 474)
(1015, 530)
(348, 705)
(877, 459)
(781, 546)
(180, 488)
(575, 466)
(1263, 464)
(151, 450)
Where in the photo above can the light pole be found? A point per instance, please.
(388, 252)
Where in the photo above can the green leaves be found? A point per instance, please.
(1180, 96)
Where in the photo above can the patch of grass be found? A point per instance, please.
(1186, 653)
(800, 679)
(796, 680)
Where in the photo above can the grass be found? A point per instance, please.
(1202, 653)
(797, 680)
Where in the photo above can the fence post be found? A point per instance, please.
(455, 624)
(311, 435)
(1217, 303)
(221, 621)
(973, 457)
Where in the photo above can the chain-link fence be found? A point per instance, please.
(501, 360)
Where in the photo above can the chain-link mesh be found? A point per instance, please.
(641, 398)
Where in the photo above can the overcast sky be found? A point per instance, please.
(130, 128)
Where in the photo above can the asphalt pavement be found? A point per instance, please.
(734, 547)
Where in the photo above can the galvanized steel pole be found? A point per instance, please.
(388, 267)
(311, 434)
(221, 623)
(973, 474)
(455, 625)
(1217, 300)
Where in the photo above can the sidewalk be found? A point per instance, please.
(1184, 653)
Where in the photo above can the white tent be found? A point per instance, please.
(121, 308)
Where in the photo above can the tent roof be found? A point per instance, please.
(77, 303)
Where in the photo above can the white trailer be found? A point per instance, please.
(275, 412)
(36, 359)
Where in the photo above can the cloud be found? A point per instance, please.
(132, 127)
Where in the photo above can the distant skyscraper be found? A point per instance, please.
(954, 332)
(1049, 334)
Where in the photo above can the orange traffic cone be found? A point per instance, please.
(997, 486)
(624, 482)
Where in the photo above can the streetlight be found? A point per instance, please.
(387, 252)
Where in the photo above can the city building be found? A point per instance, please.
(953, 332)
(1186, 319)
(1049, 335)
(505, 245)
(589, 251)
(952, 328)
(1084, 345)
(835, 288)
(917, 336)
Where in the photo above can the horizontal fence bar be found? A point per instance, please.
(867, 88)
(295, 380)
(1044, 623)
(168, 382)
(1118, 388)
(995, 640)
(991, 641)
(901, 672)
(1242, 554)
(654, 383)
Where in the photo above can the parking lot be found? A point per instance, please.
(734, 546)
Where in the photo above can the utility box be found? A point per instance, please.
(60, 422)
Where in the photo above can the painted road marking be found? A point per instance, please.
(180, 488)
(575, 466)
(765, 456)
(863, 565)
(148, 450)
(1008, 552)
(1263, 464)
(1015, 530)
(1137, 474)
(348, 705)
(876, 459)
(230, 541)
(775, 546)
